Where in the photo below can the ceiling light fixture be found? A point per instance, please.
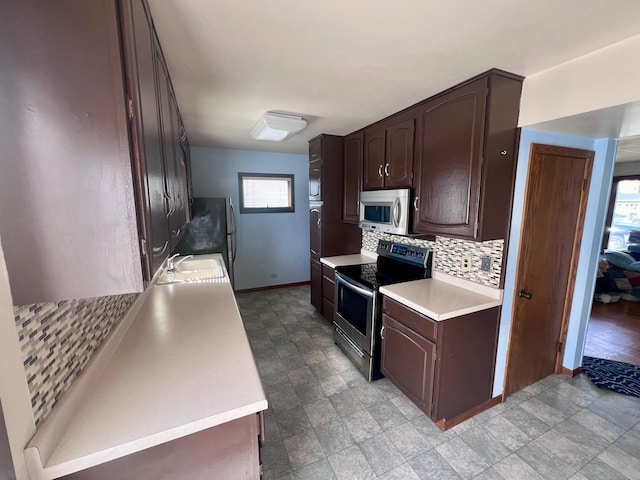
(277, 127)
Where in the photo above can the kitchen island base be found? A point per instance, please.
(226, 451)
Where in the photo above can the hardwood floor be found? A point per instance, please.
(614, 332)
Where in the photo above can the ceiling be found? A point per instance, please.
(345, 64)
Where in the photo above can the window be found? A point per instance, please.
(265, 192)
(623, 220)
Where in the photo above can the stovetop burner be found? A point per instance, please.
(396, 263)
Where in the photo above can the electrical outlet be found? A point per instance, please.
(466, 263)
(485, 266)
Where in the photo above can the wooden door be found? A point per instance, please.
(353, 153)
(373, 163)
(553, 217)
(448, 175)
(315, 231)
(408, 359)
(398, 170)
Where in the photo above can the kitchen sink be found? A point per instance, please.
(198, 265)
(195, 271)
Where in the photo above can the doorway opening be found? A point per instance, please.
(613, 332)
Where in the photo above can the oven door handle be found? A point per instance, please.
(341, 279)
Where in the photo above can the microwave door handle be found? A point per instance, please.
(396, 212)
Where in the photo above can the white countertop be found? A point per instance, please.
(444, 296)
(355, 259)
(180, 363)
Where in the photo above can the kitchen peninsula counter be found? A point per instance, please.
(179, 363)
(444, 296)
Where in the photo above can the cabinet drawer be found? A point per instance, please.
(328, 272)
(328, 288)
(327, 309)
(410, 318)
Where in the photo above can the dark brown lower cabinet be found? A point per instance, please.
(446, 367)
(328, 285)
(230, 450)
(316, 284)
(408, 360)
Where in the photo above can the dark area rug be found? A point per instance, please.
(616, 376)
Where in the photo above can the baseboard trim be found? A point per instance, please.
(447, 423)
(572, 373)
(273, 287)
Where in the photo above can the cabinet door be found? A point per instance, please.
(398, 170)
(315, 230)
(353, 152)
(315, 180)
(316, 285)
(408, 360)
(152, 181)
(373, 163)
(178, 175)
(448, 177)
(169, 153)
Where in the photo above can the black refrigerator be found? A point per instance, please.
(212, 230)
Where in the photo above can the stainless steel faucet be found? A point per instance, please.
(171, 265)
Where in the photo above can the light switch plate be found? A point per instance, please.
(485, 265)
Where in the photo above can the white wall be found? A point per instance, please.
(14, 392)
(604, 78)
(591, 239)
(273, 248)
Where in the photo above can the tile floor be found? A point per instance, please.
(326, 422)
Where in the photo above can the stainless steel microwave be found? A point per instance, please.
(385, 211)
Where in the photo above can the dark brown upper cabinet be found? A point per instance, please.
(160, 144)
(388, 154)
(373, 163)
(88, 212)
(353, 153)
(315, 175)
(466, 158)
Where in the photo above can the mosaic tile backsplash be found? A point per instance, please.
(448, 253)
(59, 338)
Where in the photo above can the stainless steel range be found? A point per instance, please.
(357, 308)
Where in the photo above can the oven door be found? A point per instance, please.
(354, 309)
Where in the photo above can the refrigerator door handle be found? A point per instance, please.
(234, 247)
(232, 215)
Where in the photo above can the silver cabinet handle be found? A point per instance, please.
(415, 203)
(160, 250)
(380, 170)
(382, 333)
(386, 170)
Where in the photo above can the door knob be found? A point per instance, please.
(524, 294)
